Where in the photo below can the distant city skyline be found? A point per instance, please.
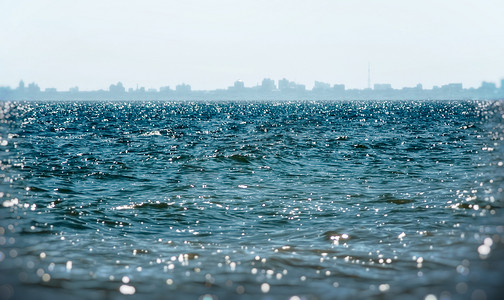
(268, 89)
(369, 83)
(209, 44)
(268, 83)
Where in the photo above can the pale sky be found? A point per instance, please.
(211, 43)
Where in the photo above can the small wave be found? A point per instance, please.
(73, 223)
(474, 206)
(400, 201)
(336, 236)
(389, 198)
(154, 205)
(35, 189)
(66, 191)
(146, 205)
(152, 133)
(240, 158)
(360, 146)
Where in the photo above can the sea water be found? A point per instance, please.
(252, 200)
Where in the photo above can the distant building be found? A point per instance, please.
(183, 88)
(413, 90)
(300, 87)
(74, 89)
(321, 86)
(268, 85)
(117, 88)
(286, 85)
(502, 84)
(164, 89)
(452, 87)
(21, 86)
(237, 86)
(418, 87)
(50, 90)
(33, 88)
(488, 86)
(339, 88)
(382, 87)
(283, 84)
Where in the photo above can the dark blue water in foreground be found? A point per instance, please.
(254, 200)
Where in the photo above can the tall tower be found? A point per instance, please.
(21, 86)
(369, 75)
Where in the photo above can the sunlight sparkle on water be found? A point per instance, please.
(127, 289)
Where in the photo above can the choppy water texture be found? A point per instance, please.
(254, 200)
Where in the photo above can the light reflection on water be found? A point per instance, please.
(288, 200)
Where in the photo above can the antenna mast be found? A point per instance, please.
(369, 76)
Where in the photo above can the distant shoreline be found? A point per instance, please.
(268, 90)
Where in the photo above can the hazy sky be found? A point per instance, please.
(210, 44)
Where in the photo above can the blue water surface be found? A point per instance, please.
(252, 200)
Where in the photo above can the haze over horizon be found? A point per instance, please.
(210, 44)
